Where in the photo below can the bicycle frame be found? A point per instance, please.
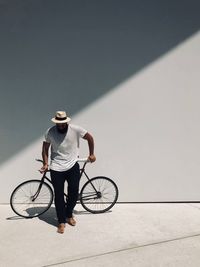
(98, 194)
(82, 171)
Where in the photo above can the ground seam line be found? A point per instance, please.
(122, 250)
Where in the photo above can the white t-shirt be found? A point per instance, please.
(64, 147)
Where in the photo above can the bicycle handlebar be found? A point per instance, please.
(78, 160)
(83, 160)
(39, 160)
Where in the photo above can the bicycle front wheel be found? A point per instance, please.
(31, 198)
(99, 194)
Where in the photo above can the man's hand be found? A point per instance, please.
(44, 168)
(92, 158)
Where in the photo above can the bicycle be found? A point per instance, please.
(32, 198)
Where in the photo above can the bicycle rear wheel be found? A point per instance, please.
(31, 198)
(99, 194)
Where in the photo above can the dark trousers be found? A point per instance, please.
(64, 210)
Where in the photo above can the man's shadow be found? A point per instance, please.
(50, 216)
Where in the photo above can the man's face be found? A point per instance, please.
(62, 127)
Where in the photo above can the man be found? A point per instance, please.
(63, 138)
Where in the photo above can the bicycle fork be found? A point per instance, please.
(33, 198)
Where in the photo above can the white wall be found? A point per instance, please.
(146, 133)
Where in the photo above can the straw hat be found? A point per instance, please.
(61, 117)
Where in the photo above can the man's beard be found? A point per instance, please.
(63, 130)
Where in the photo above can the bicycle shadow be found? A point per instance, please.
(16, 217)
(49, 216)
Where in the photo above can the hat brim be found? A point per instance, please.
(60, 121)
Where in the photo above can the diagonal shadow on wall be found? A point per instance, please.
(66, 54)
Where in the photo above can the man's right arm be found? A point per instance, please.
(45, 156)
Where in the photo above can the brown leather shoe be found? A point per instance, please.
(61, 228)
(71, 221)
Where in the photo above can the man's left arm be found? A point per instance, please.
(90, 140)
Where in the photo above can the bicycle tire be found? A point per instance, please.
(22, 203)
(102, 200)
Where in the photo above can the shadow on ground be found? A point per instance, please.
(50, 217)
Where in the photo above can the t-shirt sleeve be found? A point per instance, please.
(47, 137)
(81, 131)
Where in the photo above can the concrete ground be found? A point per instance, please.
(131, 235)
